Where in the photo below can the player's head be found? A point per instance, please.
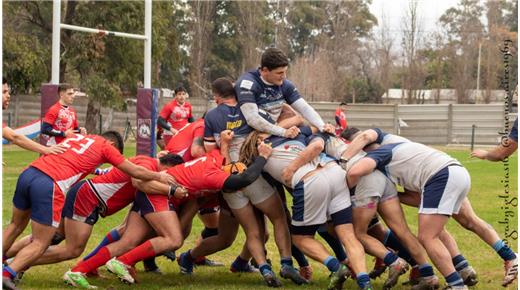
(170, 160)
(180, 94)
(222, 88)
(273, 66)
(6, 95)
(67, 94)
(350, 133)
(343, 106)
(115, 138)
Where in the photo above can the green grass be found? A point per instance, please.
(486, 188)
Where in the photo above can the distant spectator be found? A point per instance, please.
(341, 118)
(176, 114)
(61, 121)
(19, 139)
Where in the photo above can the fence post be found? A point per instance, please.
(396, 120)
(449, 135)
(473, 136)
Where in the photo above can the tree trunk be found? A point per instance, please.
(93, 111)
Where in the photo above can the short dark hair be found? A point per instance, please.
(180, 88)
(171, 159)
(348, 133)
(64, 87)
(116, 138)
(273, 58)
(223, 87)
(343, 104)
(4, 81)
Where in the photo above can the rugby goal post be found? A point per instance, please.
(147, 98)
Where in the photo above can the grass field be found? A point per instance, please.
(487, 187)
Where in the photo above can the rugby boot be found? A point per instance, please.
(151, 267)
(427, 283)
(469, 276)
(337, 278)
(413, 276)
(77, 279)
(124, 272)
(396, 269)
(378, 270)
(185, 263)
(8, 283)
(245, 268)
(288, 272)
(511, 269)
(270, 279)
(306, 272)
(207, 262)
(170, 255)
(456, 288)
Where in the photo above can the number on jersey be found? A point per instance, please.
(79, 141)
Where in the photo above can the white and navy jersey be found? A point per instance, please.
(285, 150)
(334, 147)
(384, 138)
(410, 164)
(250, 88)
(225, 117)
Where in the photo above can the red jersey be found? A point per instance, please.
(84, 154)
(114, 190)
(180, 144)
(60, 118)
(341, 121)
(177, 115)
(202, 174)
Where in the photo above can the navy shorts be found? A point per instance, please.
(37, 192)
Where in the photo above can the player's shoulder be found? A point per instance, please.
(249, 80)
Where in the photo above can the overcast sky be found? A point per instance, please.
(429, 12)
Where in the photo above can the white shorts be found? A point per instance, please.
(256, 192)
(445, 191)
(318, 196)
(373, 187)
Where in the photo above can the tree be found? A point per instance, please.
(464, 32)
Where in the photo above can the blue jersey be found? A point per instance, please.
(250, 88)
(225, 117)
(514, 131)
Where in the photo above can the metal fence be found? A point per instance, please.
(430, 124)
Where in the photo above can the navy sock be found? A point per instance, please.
(504, 251)
(334, 244)
(393, 243)
(111, 237)
(459, 262)
(362, 279)
(299, 256)
(239, 263)
(331, 263)
(264, 268)
(389, 258)
(287, 261)
(426, 270)
(454, 279)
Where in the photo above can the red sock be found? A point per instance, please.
(94, 262)
(141, 252)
